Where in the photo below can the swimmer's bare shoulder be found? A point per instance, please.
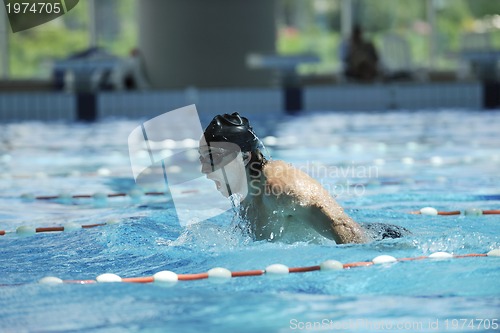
(309, 201)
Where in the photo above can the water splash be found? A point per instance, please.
(240, 223)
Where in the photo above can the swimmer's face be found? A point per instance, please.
(225, 167)
(214, 158)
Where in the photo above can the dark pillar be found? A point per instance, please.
(491, 94)
(293, 99)
(204, 43)
(86, 106)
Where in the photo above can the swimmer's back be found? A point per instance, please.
(379, 231)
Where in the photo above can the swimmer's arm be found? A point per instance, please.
(312, 203)
(344, 228)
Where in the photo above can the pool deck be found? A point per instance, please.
(45, 104)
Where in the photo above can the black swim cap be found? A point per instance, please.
(232, 128)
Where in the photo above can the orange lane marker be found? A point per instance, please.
(304, 269)
(247, 273)
(454, 212)
(49, 229)
(470, 255)
(414, 258)
(491, 211)
(86, 226)
(188, 277)
(145, 279)
(358, 264)
(199, 276)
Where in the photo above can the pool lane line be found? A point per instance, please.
(470, 211)
(136, 194)
(99, 195)
(26, 230)
(88, 196)
(221, 274)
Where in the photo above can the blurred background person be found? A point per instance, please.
(359, 57)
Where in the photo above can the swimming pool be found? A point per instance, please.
(381, 166)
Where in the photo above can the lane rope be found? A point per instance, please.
(70, 226)
(220, 274)
(431, 211)
(136, 194)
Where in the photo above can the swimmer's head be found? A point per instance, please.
(234, 129)
(225, 131)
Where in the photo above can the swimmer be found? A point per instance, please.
(278, 201)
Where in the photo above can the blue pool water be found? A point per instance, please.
(380, 166)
